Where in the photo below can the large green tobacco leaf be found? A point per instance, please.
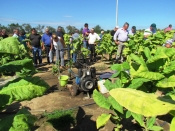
(102, 120)
(167, 82)
(149, 75)
(17, 66)
(170, 68)
(120, 67)
(115, 104)
(142, 103)
(109, 85)
(147, 52)
(24, 89)
(9, 45)
(169, 51)
(137, 59)
(100, 100)
(23, 121)
(137, 82)
(172, 127)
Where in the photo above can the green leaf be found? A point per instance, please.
(172, 126)
(102, 120)
(150, 122)
(115, 104)
(137, 59)
(149, 75)
(147, 52)
(128, 114)
(100, 100)
(24, 89)
(137, 82)
(23, 121)
(9, 45)
(156, 128)
(6, 123)
(109, 85)
(138, 118)
(142, 103)
(170, 68)
(167, 82)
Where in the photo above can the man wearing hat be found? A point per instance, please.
(132, 31)
(168, 43)
(113, 32)
(150, 31)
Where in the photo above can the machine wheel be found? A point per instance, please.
(73, 90)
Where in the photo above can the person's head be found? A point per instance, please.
(126, 25)
(47, 30)
(3, 32)
(153, 27)
(86, 25)
(76, 31)
(170, 26)
(59, 28)
(16, 31)
(33, 30)
(116, 28)
(133, 29)
(168, 45)
(71, 33)
(22, 33)
(92, 30)
(102, 32)
(54, 37)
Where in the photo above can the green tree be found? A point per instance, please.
(40, 28)
(27, 27)
(70, 29)
(51, 29)
(98, 29)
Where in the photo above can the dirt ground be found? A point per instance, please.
(55, 99)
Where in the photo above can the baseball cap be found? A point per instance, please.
(154, 26)
(117, 27)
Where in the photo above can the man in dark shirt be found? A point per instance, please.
(4, 35)
(35, 45)
(113, 32)
(60, 33)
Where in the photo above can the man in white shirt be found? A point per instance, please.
(92, 38)
(120, 37)
(16, 33)
(150, 31)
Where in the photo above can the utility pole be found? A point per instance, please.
(116, 12)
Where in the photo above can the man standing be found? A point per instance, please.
(35, 46)
(16, 33)
(150, 31)
(120, 37)
(85, 33)
(92, 38)
(46, 41)
(4, 34)
(113, 32)
(132, 31)
(169, 28)
(60, 32)
(74, 37)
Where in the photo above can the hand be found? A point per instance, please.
(43, 48)
(117, 42)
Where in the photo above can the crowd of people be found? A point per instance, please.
(54, 43)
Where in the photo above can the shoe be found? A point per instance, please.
(41, 64)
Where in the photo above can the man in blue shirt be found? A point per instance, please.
(46, 41)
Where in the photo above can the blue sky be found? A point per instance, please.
(140, 13)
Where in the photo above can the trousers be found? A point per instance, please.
(120, 49)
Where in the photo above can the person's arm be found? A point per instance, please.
(28, 43)
(51, 44)
(115, 37)
(42, 42)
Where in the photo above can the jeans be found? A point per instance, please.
(74, 56)
(85, 44)
(47, 48)
(37, 52)
(60, 55)
(93, 54)
(120, 49)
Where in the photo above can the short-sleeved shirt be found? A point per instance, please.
(149, 32)
(75, 36)
(46, 39)
(15, 35)
(60, 34)
(168, 29)
(93, 37)
(121, 35)
(35, 40)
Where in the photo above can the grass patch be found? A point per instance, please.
(60, 119)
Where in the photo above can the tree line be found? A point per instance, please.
(40, 28)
